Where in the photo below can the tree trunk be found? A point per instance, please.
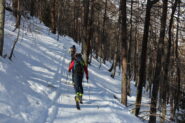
(178, 79)
(17, 13)
(142, 72)
(115, 60)
(13, 47)
(104, 39)
(18, 17)
(123, 51)
(158, 68)
(91, 29)
(59, 18)
(53, 16)
(32, 8)
(172, 110)
(136, 53)
(86, 42)
(2, 16)
(15, 5)
(129, 70)
(114, 65)
(136, 57)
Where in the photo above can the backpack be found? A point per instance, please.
(79, 65)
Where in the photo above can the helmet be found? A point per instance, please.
(73, 47)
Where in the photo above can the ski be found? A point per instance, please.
(77, 103)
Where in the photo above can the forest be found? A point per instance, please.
(144, 39)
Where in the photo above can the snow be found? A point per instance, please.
(35, 86)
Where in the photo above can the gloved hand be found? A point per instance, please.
(69, 71)
(69, 50)
(87, 77)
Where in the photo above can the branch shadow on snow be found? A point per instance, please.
(29, 88)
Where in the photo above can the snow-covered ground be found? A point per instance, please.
(35, 86)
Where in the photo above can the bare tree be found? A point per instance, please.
(123, 51)
(142, 72)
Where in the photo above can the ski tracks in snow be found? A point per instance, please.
(61, 107)
(58, 58)
(52, 108)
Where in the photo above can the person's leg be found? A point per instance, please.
(80, 78)
(80, 84)
(73, 77)
(76, 86)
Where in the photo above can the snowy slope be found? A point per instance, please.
(35, 86)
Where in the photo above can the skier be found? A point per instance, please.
(72, 50)
(78, 67)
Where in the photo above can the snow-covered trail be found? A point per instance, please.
(35, 86)
(99, 104)
(96, 99)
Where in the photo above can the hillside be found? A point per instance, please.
(35, 86)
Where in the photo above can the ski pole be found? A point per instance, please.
(67, 78)
(88, 89)
(67, 82)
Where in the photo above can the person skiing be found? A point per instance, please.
(78, 67)
(72, 50)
